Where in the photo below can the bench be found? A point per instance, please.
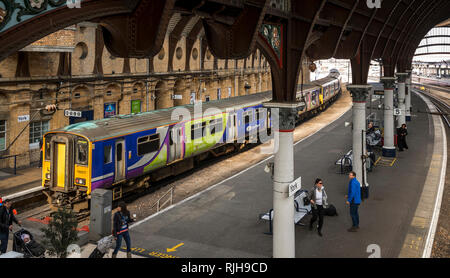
(300, 210)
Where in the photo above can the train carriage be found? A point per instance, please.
(126, 152)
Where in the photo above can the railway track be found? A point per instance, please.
(441, 106)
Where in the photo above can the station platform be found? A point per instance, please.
(223, 221)
(25, 179)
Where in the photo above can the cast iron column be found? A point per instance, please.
(401, 119)
(408, 96)
(359, 96)
(388, 147)
(283, 175)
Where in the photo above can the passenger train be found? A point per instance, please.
(125, 153)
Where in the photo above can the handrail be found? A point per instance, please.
(170, 200)
(15, 161)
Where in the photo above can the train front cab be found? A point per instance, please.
(66, 165)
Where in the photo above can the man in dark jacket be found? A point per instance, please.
(354, 199)
(6, 219)
(401, 135)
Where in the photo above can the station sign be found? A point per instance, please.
(23, 118)
(295, 186)
(72, 113)
(177, 96)
(378, 93)
(397, 112)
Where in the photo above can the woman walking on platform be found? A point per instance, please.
(318, 198)
(120, 230)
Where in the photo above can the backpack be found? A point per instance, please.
(331, 211)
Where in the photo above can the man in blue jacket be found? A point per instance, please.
(354, 199)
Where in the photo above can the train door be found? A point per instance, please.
(61, 176)
(231, 127)
(175, 143)
(60, 171)
(120, 160)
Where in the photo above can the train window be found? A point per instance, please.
(247, 116)
(48, 139)
(142, 139)
(119, 152)
(82, 150)
(215, 126)
(149, 145)
(197, 130)
(260, 112)
(107, 154)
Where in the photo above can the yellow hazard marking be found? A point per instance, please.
(387, 162)
(377, 161)
(395, 159)
(146, 253)
(175, 247)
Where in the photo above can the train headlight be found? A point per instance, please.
(47, 176)
(80, 181)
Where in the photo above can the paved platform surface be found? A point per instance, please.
(223, 221)
(26, 178)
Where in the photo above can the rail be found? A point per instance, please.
(15, 161)
(158, 204)
(436, 101)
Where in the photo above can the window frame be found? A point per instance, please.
(149, 139)
(4, 132)
(32, 134)
(110, 154)
(77, 161)
(195, 126)
(213, 124)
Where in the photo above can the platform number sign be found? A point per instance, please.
(295, 186)
(397, 112)
(71, 113)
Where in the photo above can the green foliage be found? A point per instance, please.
(60, 232)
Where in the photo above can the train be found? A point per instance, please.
(128, 153)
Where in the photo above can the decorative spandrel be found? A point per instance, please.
(13, 12)
(272, 35)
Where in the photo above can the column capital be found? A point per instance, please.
(287, 114)
(359, 92)
(402, 77)
(388, 82)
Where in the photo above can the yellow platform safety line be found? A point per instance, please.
(388, 162)
(395, 159)
(376, 162)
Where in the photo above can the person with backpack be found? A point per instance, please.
(6, 219)
(353, 200)
(120, 229)
(318, 199)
